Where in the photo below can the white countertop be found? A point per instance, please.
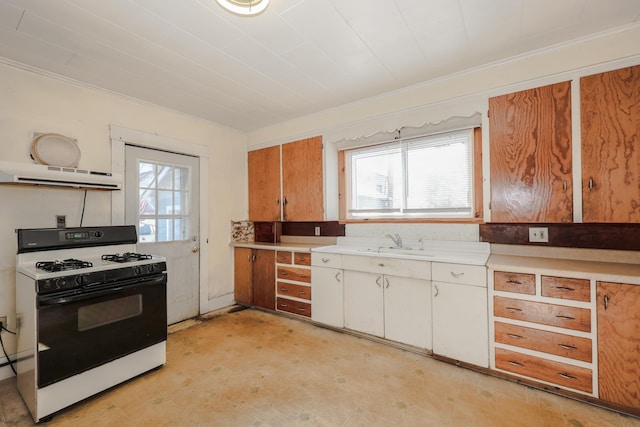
(473, 253)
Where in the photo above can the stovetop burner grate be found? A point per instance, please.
(126, 257)
(67, 264)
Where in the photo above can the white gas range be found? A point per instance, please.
(91, 312)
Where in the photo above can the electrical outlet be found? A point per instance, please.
(317, 231)
(539, 234)
(61, 221)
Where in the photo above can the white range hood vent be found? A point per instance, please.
(56, 176)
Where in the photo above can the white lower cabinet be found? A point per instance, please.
(327, 286)
(460, 314)
(393, 307)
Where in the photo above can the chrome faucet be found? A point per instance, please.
(397, 240)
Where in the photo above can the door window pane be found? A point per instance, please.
(163, 208)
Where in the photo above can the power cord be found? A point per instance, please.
(2, 328)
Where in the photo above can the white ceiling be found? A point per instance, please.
(297, 58)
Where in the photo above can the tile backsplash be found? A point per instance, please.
(242, 231)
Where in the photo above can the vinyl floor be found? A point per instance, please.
(253, 368)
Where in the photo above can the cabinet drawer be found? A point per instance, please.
(566, 288)
(293, 273)
(545, 341)
(519, 283)
(283, 257)
(324, 259)
(392, 266)
(302, 258)
(578, 319)
(475, 275)
(563, 374)
(296, 307)
(292, 290)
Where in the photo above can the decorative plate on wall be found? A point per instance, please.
(55, 150)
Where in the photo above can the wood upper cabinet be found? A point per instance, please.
(618, 309)
(530, 146)
(301, 194)
(302, 179)
(264, 184)
(610, 122)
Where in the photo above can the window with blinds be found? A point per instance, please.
(430, 176)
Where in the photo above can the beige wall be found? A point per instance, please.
(30, 102)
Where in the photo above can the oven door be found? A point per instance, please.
(81, 331)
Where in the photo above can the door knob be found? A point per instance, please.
(195, 249)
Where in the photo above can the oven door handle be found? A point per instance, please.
(91, 293)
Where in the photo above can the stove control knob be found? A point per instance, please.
(137, 271)
(81, 280)
(149, 268)
(60, 283)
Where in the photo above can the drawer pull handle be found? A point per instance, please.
(284, 273)
(560, 316)
(567, 376)
(302, 292)
(457, 275)
(380, 264)
(514, 309)
(302, 309)
(338, 276)
(325, 259)
(514, 363)
(518, 337)
(284, 305)
(565, 288)
(283, 289)
(513, 282)
(568, 347)
(378, 280)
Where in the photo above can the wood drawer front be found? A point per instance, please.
(474, 275)
(301, 258)
(566, 288)
(295, 307)
(323, 259)
(283, 257)
(292, 290)
(578, 319)
(577, 348)
(563, 374)
(392, 266)
(520, 283)
(293, 273)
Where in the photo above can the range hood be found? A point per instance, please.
(56, 176)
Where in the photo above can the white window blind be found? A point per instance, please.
(429, 176)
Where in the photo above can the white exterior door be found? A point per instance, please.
(161, 192)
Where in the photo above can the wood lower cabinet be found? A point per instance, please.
(610, 123)
(542, 329)
(618, 308)
(254, 277)
(293, 275)
(530, 145)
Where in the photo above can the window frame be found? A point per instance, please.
(476, 211)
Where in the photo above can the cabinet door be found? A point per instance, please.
(407, 311)
(610, 120)
(264, 184)
(530, 142)
(460, 323)
(302, 188)
(327, 290)
(363, 302)
(264, 282)
(618, 310)
(243, 275)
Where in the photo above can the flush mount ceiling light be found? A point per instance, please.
(244, 7)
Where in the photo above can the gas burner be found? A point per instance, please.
(67, 264)
(126, 257)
